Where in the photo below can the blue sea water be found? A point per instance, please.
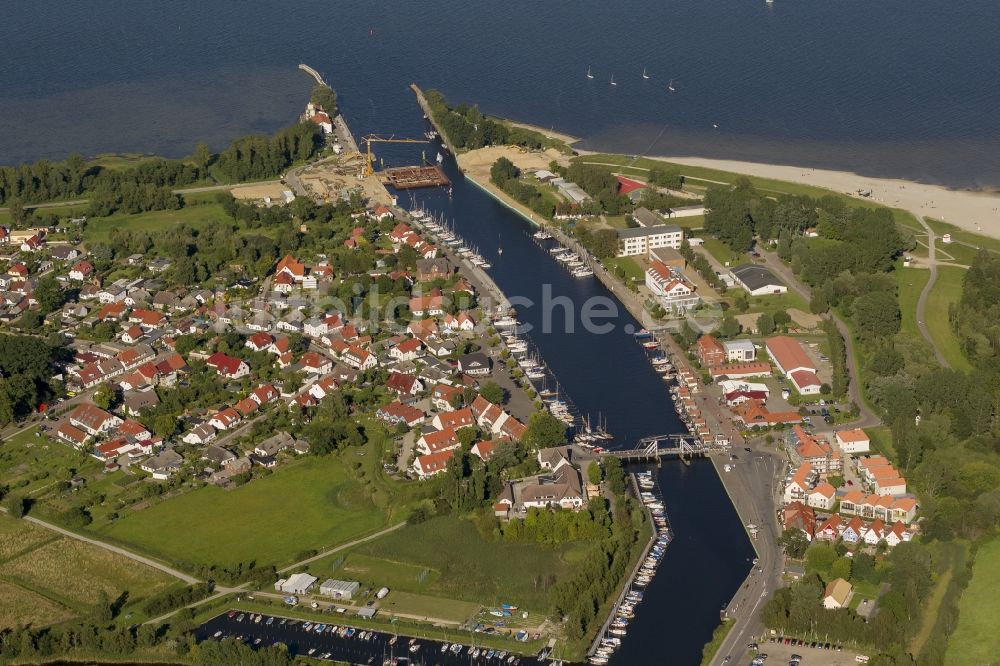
(905, 89)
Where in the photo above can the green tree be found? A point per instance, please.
(325, 97)
(164, 425)
(594, 472)
(102, 612)
(765, 324)
(614, 472)
(494, 393)
(794, 542)
(49, 294)
(544, 430)
(15, 505)
(202, 157)
(729, 328)
(105, 396)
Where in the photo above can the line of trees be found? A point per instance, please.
(505, 175)
(468, 128)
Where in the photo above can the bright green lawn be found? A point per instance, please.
(910, 282)
(721, 252)
(947, 290)
(630, 265)
(881, 441)
(311, 503)
(976, 639)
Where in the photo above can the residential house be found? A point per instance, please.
(315, 363)
(81, 271)
(476, 364)
(397, 412)
(446, 398)
(853, 441)
(456, 420)
(228, 366)
(710, 351)
(838, 594)
(225, 419)
(639, 241)
(163, 465)
(740, 351)
(797, 515)
(438, 440)
(801, 482)
(430, 464)
(203, 433)
(93, 419)
(563, 489)
(403, 384)
(823, 496)
(407, 350)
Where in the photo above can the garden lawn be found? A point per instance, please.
(310, 503)
(946, 290)
(976, 640)
(462, 566)
(629, 265)
(722, 253)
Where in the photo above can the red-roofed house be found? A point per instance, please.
(800, 483)
(397, 412)
(407, 350)
(823, 496)
(259, 341)
(81, 271)
(460, 418)
(227, 366)
(434, 463)
(710, 351)
(290, 266)
(225, 419)
(404, 384)
(794, 363)
(444, 398)
(439, 440)
(627, 185)
(484, 450)
(356, 357)
(93, 419)
(853, 441)
(315, 363)
(801, 517)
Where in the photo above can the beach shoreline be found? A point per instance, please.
(972, 210)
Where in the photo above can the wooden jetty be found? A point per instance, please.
(412, 177)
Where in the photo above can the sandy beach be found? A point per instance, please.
(978, 212)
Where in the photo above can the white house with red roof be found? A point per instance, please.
(853, 441)
(407, 350)
(315, 363)
(93, 419)
(798, 487)
(430, 464)
(225, 419)
(356, 357)
(458, 419)
(397, 412)
(228, 366)
(81, 271)
(259, 341)
(438, 440)
(292, 267)
(823, 496)
(674, 292)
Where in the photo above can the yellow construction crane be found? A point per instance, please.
(366, 169)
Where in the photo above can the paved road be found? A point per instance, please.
(752, 483)
(190, 580)
(922, 301)
(866, 418)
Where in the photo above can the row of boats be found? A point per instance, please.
(444, 233)
(473, 652)
(531, 364)
(573, 261)
(625, 612)
(657, 357)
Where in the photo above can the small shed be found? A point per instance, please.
(368, 612)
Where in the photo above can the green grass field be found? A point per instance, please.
(446, 558)
(976, 640)
(881, 441)
(910, 282)
(311, 503)
(947, 290)
(98, 229)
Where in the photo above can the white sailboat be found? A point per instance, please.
(590, 75)
(613, 80)
(644, 74)
(670, 86)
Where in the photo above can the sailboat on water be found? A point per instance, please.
(499, 246)
(644, 74)
(613, 80)
(590, 74)
(670, 86)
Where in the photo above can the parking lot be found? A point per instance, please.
(779, 654)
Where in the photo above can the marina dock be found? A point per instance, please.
(411, 177)
(662, 535)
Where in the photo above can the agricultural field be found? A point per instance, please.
(46, 578)
(75, 572)
(310, 503)
(975, 640)
(20, 606)
(468, 569)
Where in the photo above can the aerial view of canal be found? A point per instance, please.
(609, 374)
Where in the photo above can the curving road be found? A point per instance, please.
(922, 301)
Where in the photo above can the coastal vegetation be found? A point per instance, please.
(467, 128)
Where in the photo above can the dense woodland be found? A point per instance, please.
(27, 364)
